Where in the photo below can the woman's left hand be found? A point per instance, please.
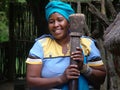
(78, 56)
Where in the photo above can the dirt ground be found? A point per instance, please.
(13, 85)
(19, 85)
(7, 86)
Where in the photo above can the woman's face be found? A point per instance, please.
(58, 26)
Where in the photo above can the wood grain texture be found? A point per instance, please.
(77, 22)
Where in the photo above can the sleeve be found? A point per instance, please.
(35, 54)
(94, 52)
(94, 58)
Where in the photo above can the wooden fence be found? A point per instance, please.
(22, 32)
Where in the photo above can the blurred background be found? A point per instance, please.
(22, 21)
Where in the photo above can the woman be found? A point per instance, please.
(48, 63)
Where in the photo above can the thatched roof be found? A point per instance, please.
(112, 36)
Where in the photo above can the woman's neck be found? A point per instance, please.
(64, 44)
(64, 41)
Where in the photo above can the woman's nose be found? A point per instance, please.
(56, 24)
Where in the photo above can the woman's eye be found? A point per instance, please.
(50, 21)
(57, 20)
(60, 19)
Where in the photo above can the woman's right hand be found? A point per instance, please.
(71, 72)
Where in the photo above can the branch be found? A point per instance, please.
(98, 14)
(111, 8)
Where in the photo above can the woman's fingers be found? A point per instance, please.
(72, 72)
(77, 57)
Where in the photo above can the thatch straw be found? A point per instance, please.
(112, 36)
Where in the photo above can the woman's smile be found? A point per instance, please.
(58, 31)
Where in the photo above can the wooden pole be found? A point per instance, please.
(77, 22)
(12, 43)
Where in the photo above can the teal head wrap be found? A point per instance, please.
(60, 7)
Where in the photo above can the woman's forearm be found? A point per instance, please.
(44, 82)
(97, 77)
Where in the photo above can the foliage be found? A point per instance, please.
(3, 21)
(4, 32)
(22, 1)
(3, 27)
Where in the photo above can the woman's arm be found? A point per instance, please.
(96, 76)
(95, 73)
(34, 78)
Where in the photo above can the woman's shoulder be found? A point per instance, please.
(44, 37)
(44, 40)
(88, 38)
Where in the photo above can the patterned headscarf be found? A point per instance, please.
(60, 7)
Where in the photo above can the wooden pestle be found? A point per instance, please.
(77, 22)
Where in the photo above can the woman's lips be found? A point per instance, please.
(57, 31)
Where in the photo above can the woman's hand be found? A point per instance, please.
(78, 56)
(71, 72)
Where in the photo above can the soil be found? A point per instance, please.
(7, 86)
